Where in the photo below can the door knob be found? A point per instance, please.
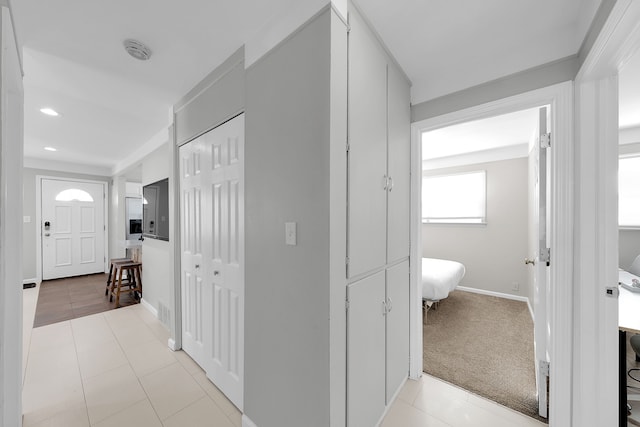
(530, 261)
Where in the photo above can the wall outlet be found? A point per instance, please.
(515, 286)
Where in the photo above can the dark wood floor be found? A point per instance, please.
(70, 298)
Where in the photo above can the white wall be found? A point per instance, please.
(493, 254)
(628, 247)
(157, 258)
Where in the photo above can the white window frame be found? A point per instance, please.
(456, 220)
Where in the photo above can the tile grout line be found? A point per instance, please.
(84, 395)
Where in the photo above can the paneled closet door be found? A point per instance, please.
(397, 327)
(399, 166)
(193, 209)
(367, 178)
(366, 351)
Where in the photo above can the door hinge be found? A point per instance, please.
(544, 368)
(545, 255)
(346, 305)
(545, 140)
(348, 147)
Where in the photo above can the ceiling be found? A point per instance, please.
(111, 104)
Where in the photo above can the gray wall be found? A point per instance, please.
(628, 246)
(493, 254)
(157, 261)
(29, 230)
(288, 179)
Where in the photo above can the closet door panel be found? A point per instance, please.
(367, 150)
(365, 351)
(399, 166)
(397, 327)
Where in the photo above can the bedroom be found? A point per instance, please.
(482, 330)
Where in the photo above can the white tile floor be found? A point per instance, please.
(114, 369)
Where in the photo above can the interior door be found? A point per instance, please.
(212, 222)
(192, 187)
(538, 244)
(225, 257)
(73, 228)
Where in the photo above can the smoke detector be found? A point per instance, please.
(137, 49)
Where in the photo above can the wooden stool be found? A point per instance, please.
(112, 277)
(134, 273)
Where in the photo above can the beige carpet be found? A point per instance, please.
(483, 344)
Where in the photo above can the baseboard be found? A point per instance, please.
(172, 344)
(246, 422)
(499, 295)
(34, 280)
(149, 307)
(391, 402)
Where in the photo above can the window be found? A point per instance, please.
(74, 194)
(629, 192)
(458, 199)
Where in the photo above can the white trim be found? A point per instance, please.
(107, 199)
(171, 343)
(132, 160)
(25, 281)
(150, 308)
(66, 167)
(415, 258)
(629, 135)
(560, 97)
(246, 422)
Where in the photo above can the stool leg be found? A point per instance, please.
(119, 286)
(139, 286)
(106, 290)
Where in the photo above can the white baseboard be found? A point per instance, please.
(172, 344)
(246, 422)
(499, 295)
(34, 280)
(149, 307)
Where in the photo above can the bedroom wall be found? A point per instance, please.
(628, 246)
(493, 254)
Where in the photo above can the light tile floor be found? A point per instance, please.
(114, 369)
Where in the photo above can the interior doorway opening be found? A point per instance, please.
(479, 212)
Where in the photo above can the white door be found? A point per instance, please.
(366, 351)
(538, 244)
(73, 228)
(191, 215)
(212, 206)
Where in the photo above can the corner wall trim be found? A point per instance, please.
(246, 422)
(149, 307)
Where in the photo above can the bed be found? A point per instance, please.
(439, 277)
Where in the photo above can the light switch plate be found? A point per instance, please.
(290, 233)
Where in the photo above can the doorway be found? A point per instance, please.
(72, 218)
(479, 210)
(560, 99)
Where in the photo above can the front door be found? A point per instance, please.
(212, 206)
(72, 227)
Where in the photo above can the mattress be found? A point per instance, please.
(439, 277)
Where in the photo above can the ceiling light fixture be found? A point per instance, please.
(50, 149)
(49, 112)
(137, 49)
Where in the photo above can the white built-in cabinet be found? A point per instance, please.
(378, 227)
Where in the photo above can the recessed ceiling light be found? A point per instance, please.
(49, 112)
(50, 149)
(137, 49)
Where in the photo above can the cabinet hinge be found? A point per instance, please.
(545, 255)
(544, 368)
(346, 305)
(545, 140)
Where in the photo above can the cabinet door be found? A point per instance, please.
(397, 327)
(399, 166)
(365, 351)
(368, 150)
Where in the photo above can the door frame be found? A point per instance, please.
(596, 261)
(105, 188)
(560, 98)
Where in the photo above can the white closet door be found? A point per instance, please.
(367, 180)
(399, 166)
(365, 351)
(193, 209)
(225, 354)
(397, 327)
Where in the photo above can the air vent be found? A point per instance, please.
(137, 49)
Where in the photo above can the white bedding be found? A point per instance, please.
(439, 277)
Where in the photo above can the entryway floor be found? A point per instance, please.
(73, 297)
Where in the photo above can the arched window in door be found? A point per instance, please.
(74, 194)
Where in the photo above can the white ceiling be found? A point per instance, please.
(112, 104)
